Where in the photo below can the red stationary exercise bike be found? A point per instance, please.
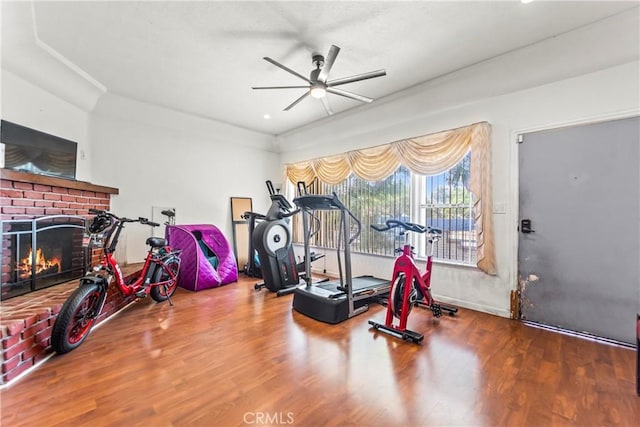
(158, 279)
(409, 286)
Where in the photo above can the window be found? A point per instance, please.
(446, 203)
(442, 201)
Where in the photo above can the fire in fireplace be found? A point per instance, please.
(42, 265)
(59, 255)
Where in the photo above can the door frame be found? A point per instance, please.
(514, 159)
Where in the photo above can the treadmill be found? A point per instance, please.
(338, 300)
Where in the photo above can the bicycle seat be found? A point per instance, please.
(156, 242)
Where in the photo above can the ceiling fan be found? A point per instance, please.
(318, 85)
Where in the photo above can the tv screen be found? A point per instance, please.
(29, 150)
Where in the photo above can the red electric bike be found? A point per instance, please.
(158, 279)
(409, 286)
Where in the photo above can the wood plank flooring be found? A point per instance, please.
(233, 356)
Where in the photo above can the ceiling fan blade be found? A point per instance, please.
(288, 70)
(293, 104)
(357, 78)
(349, 94)
(325, 104)
(328, 63)
(280, 87)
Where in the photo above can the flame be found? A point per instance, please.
(42, 264)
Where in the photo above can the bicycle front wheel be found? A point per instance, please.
(161, 293)
(396, 297)
(76, 318)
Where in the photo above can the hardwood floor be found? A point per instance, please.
(232, 356)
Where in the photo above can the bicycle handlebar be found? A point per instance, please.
(140, 219)
(147, 222)
(101, 212)
(408, 226)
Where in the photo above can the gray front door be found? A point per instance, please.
(579, 268)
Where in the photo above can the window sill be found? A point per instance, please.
(417, 259)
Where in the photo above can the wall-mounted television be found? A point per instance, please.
(29, 150)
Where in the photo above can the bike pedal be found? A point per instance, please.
(436, 309)
(141, 294)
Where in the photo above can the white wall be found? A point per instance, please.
(604, 94)
(159, 157)
(154, 156)
(28, 105)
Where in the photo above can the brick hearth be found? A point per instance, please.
(26, 321)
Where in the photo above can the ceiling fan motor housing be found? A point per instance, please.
(317, 60)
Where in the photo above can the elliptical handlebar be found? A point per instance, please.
(275, 195)
(249, 215)
(288, 214)
(302, 188)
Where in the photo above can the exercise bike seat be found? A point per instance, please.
(156, 242)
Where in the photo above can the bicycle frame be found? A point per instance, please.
(81, 310)
(151, 262)
(416, 287)
(154, 260)
(405, 264)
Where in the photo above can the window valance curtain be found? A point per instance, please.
(425, 155)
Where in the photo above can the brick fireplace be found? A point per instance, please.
(41, 252)
(26, 318)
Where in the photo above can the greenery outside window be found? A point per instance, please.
(427, 155)
(442, 201)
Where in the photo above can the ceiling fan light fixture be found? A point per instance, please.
(318, 81)
(318, 92)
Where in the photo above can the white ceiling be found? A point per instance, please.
(202, 58)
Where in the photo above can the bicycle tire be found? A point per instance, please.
(77, 317)
(164, 292)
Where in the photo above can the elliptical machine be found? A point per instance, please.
(273, 242)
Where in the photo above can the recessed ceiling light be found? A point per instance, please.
(266, 116)
(525, 1)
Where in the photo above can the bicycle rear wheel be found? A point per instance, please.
(76, 318)
(164, 292)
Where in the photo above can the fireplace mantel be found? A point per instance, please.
(12, 175)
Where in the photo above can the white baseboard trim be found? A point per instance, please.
(474, 306)
(453, 301)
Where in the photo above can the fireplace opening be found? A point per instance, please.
(40, 253)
